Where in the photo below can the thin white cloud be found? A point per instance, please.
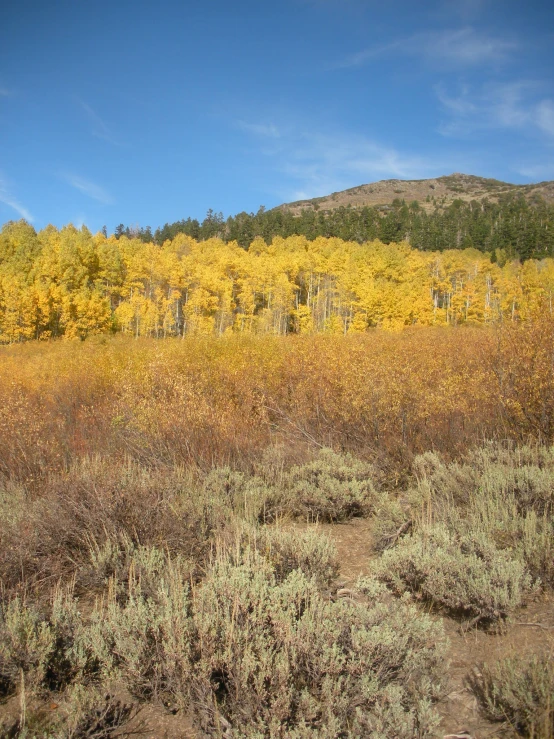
(324, 163)
(11, 201)
(89, 188)
(465, 9)
(309, 163)
(4, 92)
(99, 128)
(463, 47)
(537, 172)
(459, 105)
(266, 130)
(509, 105)
(545, 116)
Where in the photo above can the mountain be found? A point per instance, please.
(457, 211)
(428, 193)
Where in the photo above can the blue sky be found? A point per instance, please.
(147, 112)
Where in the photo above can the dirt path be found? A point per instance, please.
(458, 709)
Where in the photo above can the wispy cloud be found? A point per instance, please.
(98, 126)
(4, 92)
(7, 197)
(463, 47)
(467, 10)
(79, 221)
(323, 163)
(266, 130)
(89, 188)
(537, 172)
(309, 163)
(513, 105)
(545, 116)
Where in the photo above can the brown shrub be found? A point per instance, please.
(207, 401)
(94, 508)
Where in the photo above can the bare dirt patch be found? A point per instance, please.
(354, 545)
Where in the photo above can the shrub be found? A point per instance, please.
(142, 632)
(463, 574)
(43, 649)
(276, 659)
(491, 471)
(26, 643)
(392, 519)
(311, 552)
(503, 493)
(87, 712)
(87, 520)
(146, 640)
(81, 712)
(520, 691)
(332, 487)
(247, 496)
(258, 647)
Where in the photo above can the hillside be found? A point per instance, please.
(451, 212)
(428, 193)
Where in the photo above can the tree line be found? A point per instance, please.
(70, 282)
(510, 228)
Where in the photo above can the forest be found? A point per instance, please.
(519, 228)
(68, 282)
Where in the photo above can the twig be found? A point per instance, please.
(540, 626)
(465, 627)
(294, 425)
(392, 538)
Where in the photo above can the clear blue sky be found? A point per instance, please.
(147, 112)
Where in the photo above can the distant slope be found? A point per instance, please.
(428, 193)
(453, 212)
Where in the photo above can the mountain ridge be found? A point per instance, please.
(429, 193)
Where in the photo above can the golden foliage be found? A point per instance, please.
(206, 400)
(73, 284)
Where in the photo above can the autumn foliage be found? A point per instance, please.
(71, 283)
(208, 400)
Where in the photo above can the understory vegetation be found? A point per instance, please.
(208, 605)
(202, 607)
(159, 538)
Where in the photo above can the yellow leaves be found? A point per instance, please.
(125, 315)
(358, 323)
(303, 320)
(80, 284)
